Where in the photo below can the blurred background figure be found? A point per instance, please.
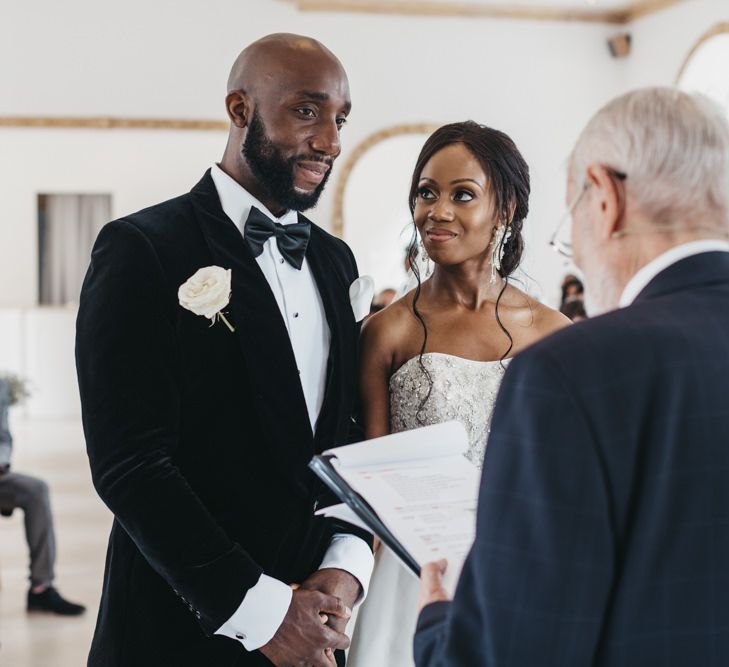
(383, 299)
(575, 310)
(572, 302)
(30, 494)
(572, 289)
(407, 263)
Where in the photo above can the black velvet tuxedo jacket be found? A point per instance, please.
(198, 437)
(603, 521)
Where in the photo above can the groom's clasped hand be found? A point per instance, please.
(315, 621)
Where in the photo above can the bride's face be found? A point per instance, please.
(454, 210)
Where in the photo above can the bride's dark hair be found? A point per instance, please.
(507, 175)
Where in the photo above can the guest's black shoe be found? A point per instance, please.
(51, 601)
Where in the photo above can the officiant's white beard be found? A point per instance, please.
(601, 293)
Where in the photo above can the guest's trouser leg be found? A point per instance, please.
(31, 495)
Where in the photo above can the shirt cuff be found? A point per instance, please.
(260, 614)
(351, 554)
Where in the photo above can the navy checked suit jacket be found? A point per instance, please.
(603, 520)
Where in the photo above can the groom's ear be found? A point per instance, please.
(238, 106)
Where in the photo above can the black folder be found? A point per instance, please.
(322, 466)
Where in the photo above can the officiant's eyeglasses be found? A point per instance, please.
(560, 241)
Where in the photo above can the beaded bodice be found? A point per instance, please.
(462, 389)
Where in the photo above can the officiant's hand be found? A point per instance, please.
(338, 583)
(302, 639)
(431, 583)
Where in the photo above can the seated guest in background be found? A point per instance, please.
(31, 495)
(575, 310)
(572, 290)
(382, 300)
(603, 521)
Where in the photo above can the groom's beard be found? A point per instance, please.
(275, 172)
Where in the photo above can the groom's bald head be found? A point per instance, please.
(288, 98)
(266, 60)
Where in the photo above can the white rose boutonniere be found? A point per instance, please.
(207, 292)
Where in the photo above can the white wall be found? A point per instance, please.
(137, 168)
(538, 81)
(662, 41)
(38, 345)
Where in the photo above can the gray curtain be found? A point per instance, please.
(68, 226)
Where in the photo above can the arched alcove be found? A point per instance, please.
(706, 68)
(371, 211)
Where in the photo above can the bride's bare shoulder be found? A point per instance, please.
(533, 314)
(390, 325)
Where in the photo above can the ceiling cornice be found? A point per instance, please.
(620, 16)
(106, 123)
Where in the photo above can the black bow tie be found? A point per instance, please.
(291, 239)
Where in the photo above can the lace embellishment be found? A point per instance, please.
(463, 389)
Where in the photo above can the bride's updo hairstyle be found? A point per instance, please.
(507, 175)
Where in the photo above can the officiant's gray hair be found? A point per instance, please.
(674, 148)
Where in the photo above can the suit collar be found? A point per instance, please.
(706, 268)
(676, 254)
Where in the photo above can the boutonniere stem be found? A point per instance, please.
(221, 316)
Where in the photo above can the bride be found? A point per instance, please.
(439, 352)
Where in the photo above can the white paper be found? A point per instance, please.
(428, 498)
(445, 439)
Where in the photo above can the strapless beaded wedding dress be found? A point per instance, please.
(463, 390)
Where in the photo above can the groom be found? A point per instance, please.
(199, 430)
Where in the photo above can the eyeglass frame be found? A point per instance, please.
(561, 247)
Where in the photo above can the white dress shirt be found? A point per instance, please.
(641, 279)
(265, 605)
